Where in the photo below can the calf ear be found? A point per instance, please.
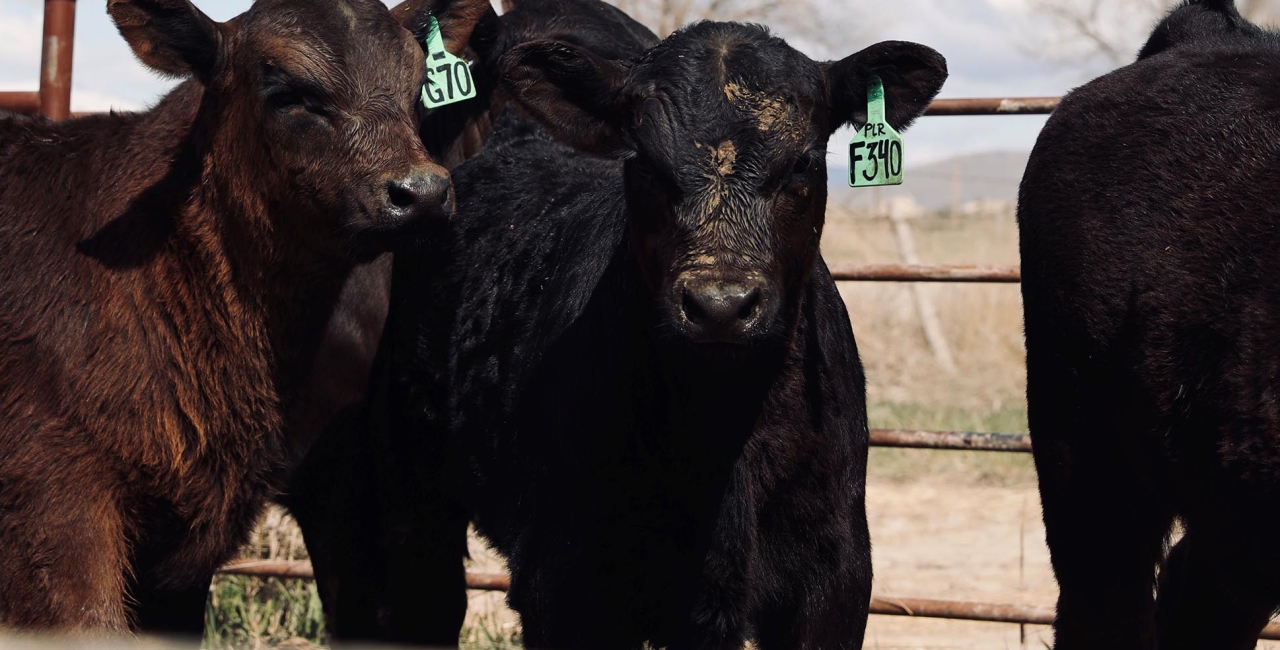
(169, 36)
(457, 18)
(912, 75)
(573, 92)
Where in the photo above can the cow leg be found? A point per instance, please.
(385, 539)
(1217, 590)
(172, 612)
(1105, 519)
(62, 555)
(563, 606)
(828, 608)
(833, 620)
(332, 499)
(1106, 533)
(1105, 541)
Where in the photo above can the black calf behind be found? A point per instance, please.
(1151, 282)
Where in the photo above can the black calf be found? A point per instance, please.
(651, 377)
(1149, 237)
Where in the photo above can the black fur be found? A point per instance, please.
(646, 482)
(1149, 231)
(639, 493)
(375, 498)
(1204, 23)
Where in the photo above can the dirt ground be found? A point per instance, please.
(930, 540)
(957, 542)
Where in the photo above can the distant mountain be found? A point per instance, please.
(981, 177)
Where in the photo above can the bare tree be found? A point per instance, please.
(816, 26)
(1108, 33)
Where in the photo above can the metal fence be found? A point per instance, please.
(960, 440)
(53, 99)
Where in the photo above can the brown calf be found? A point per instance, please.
(166, 279)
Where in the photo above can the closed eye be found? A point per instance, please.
(288, 93)
(289, 99)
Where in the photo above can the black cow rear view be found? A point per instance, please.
(1150, 230)
(653, 377)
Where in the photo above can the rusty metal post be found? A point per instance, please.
(55, 58)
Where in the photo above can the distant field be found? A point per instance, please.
(906, 388)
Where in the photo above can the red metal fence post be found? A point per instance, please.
(55, 58)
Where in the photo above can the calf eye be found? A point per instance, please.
(291, 100)
(805, 164)
(285, 99)
(804, 167)
(286, 94)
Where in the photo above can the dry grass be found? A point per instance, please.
(982, 324)
(245, 612)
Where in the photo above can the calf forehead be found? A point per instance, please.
(329, 17)
(333, 36)
(726, 85)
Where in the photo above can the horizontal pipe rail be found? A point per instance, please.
(917, 607)
(270, 569)
(994, 106)
(939, 107)
(962, 610)
(912, 439)
(846, 272)
(20, 101)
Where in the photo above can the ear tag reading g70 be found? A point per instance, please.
(448, 77)
(875, 153)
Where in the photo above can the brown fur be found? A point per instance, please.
(166, 281)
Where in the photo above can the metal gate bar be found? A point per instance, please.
(950, 440)
(884, 605)
(845, 272)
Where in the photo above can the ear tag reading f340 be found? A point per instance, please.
(875, 153)
(448, 77)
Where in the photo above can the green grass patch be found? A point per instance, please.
(245, 612)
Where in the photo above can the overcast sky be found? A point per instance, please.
(985, 43)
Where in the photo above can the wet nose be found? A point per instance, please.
(721, 311)
(419, 195)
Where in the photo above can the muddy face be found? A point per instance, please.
(724, 131)
(726, 181)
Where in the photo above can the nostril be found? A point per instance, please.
(692, 309)
(749, 304)
(446, 196)
(400, 195)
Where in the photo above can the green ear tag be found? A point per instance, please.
(448, 77)
(875, 153)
